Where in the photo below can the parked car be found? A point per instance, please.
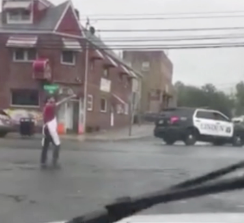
(6, 124)
(196, 124)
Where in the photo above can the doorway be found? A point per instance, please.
(72, 118)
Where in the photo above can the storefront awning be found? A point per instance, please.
(71, 44)
(110, 62)
(96, 55)
(17, 5)
(124, 70)
(120, 100)
(133, 74)
(22, 41)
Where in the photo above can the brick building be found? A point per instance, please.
(45, 45)
(157, 91)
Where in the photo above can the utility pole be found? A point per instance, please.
(86, 77)
(131, 112)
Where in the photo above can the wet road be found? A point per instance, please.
(93, 173)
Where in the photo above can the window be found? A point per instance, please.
(119, 109)
(126, 109)
(220, 117)
(19, 16)
(68, 57)
(103, 105)
(92, 65)
(145, 66)
(24, 54)
(106, 72)
(89, 102)
(25, 97)
(205, 115)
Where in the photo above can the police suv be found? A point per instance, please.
(196, 124)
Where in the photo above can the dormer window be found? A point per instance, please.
(19, 16)
(18, 11)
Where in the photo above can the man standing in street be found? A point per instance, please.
(50, 134)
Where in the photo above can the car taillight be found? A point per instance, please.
(174, 119)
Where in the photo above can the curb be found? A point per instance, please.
(117, 139)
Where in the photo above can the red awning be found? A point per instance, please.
(96, 55)
(22, 41)
(124, 70)
(9, 5)
(110, 62)
(118, 99)
(42, 69)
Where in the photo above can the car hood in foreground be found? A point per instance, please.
(184, 218)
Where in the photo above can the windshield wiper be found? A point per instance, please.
(200, 186)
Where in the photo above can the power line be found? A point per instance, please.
(162, 14)
(131, 19)
(153, 47)
(173, 30)
(172, 38)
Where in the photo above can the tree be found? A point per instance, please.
(239, 98)
(207, 96)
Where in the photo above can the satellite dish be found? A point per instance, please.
(92, 30)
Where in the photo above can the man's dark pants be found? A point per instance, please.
(47, 140)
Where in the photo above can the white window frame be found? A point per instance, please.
(89, 102)
(126, 111)
(106, 72)
(106, 105)
(145, 66)
(19, 20)
(119, 109)
(68, 63)
(92, 65)
(25, 59)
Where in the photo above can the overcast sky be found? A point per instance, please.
(222, 67)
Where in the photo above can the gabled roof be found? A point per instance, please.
(47, 23)
(96, 41)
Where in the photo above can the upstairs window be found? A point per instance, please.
(145, 66)
(19, 16)
(106, 72)
(24, 55)
(68, 57)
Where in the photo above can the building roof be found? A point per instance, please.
(96, 41)
(47, 23)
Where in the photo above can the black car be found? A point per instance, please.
(196, 124)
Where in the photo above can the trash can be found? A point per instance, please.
(27, 126)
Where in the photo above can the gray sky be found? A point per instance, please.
(222, 67)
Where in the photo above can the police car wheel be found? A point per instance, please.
(238, 140)
(169, 141)
(190, 138)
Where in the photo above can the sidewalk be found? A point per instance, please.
(145, 130)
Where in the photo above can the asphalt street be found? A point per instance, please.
(94, 173)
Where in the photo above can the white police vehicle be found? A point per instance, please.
(196, 124)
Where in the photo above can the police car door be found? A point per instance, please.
(204, 121)
(225, 126)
